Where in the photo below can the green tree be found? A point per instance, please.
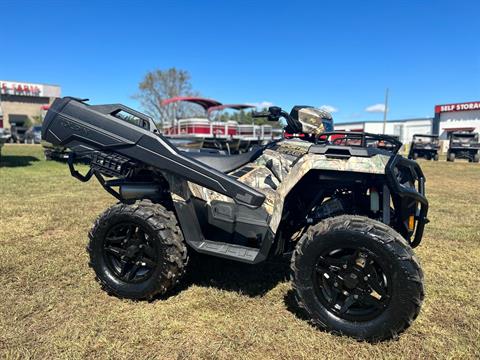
(159, 85)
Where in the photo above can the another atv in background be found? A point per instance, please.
(424, 146)
(464, 145)
(347, 212)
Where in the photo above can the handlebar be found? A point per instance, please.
(260, 114)
(274, 113)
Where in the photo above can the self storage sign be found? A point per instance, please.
(474, 105)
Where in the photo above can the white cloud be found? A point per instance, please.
(262, 104)
(329, 108)
(376, 108)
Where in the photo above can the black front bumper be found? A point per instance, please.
(404, 195)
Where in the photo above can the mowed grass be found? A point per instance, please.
(51, 306)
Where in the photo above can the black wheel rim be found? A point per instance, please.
(352, 283)
(130, 253)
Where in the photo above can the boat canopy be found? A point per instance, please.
(230, 106)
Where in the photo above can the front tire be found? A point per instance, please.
(451, 157)
(137, 251)
(358, 277)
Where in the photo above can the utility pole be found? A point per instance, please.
(385, 112)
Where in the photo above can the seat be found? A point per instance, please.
(225, 163)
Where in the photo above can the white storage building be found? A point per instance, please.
(404, 129)
(448, 118)
(456, 117)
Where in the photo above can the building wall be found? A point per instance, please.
(469, 120)
(22, 101)
(350, 126)
(31, 109)
(404, 129)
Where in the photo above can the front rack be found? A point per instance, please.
(361, 139)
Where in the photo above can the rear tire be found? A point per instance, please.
(435, 157)
(369, 310)
(137, 251)
(415, 156)
(451, 157)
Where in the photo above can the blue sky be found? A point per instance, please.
(337, 53)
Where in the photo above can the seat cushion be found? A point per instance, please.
(226, 163)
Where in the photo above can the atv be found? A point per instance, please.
(425, 146)
(347, 212)
(464, 145)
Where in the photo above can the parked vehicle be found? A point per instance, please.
(3, 139)
(464, 145)
(424, 146)
(34, 134)
(17, 134)
(349, 213)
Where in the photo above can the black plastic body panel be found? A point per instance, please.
(188, 217)
(238, 219)
(83, 128)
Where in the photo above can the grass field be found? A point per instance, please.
(51, 306)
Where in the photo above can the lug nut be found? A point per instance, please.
(335, 284)
(365, 278)
(355, 296)
(344, 266)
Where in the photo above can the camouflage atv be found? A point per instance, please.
(347, 212)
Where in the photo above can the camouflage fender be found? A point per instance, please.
(373, 165)
(291, 162)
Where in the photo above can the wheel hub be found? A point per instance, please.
(351, 284)
(351, 281)
(131, 251)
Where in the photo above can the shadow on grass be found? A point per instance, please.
(246, 279)
(292, 306)
(17, 160)
(250, 280)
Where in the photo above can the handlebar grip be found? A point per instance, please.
(258, 114)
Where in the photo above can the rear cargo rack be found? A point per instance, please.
(361, 139)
